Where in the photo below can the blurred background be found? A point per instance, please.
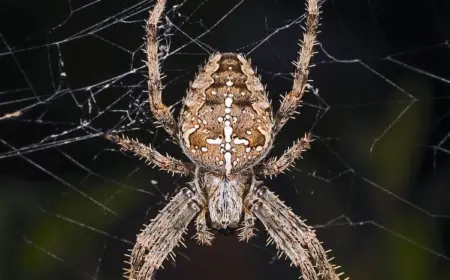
(375, 184)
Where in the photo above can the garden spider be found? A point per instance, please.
(226, 128)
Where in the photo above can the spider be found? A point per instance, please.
(226, 128)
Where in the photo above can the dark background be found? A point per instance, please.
(375, 184)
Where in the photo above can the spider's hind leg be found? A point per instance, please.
(161, 112)
(292, 100)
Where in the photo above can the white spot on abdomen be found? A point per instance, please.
(228, 163)
(266, 136)
(228, 101)
(238, 141)
(216, 141)
(228, 130)
(187, 133)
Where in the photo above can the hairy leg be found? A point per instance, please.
(276, 166)
(157, 241)
(152, 156)
(161, 112)
(203, 235)
(292, 236)
(247, 230)
(292, 100)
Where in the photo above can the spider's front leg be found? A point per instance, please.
(161, 112)
(276, 166)
(203, 235)
(292, 236)
(292, 100)
(157, 241)
(152, 156)
(247, 230)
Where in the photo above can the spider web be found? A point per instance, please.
(375, 184)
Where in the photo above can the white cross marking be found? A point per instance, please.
(216, 141)
(227, 132)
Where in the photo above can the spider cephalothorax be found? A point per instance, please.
(223, 199)
(226, 128)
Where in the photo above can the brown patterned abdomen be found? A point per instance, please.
(226, 120)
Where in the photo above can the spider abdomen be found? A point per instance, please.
(226, 120)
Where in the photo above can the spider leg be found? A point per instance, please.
(292, 236)
(247, 230)
(292, 100)
(276, 166)
(203, 235)
(152, 156)
(156, 242)
(161, 112)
